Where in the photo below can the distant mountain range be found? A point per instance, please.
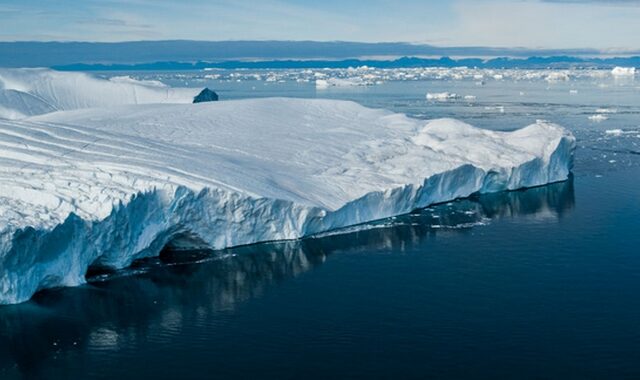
(554, 62)
(184, 55)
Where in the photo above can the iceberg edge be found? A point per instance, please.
(107, 180)
(215, 218)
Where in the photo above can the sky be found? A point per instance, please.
(602, 24)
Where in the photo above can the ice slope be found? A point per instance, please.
(28, 92)
(112, 185)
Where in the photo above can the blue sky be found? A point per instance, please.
(603, 24)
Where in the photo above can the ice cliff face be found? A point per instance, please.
(110, 185)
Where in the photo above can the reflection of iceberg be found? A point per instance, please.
(123, 308)
(553, 199)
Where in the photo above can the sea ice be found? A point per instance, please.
(442, 96)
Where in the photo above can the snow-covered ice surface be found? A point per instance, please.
(106, 186)
(28, 92)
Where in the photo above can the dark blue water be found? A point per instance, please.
(539, 283)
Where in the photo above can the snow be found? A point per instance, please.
(109, 185)
(28, 92)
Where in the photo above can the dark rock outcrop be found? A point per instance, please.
(206, 95)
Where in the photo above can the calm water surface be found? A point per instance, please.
(539, 283)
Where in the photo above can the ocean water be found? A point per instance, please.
(539, 283)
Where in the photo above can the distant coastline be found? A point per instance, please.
(197, 55)
(554, 62)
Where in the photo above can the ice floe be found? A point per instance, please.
(442, 96)
(598, 117)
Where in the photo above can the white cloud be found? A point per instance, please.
(504, 23)
(545, 24)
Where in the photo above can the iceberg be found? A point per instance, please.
(441, 96)
(29, 92)
(103, 187)
(623, 71)
(598, 117)
(341, 82)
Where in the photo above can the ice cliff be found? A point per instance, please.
(106, 186)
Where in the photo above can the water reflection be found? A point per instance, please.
(196, 289)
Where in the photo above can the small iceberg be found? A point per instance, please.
(598, 117)
(623, 71)
(442, 96)
(341, 82)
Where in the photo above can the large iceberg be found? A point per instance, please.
(106, 186)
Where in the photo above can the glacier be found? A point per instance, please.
(107, 185)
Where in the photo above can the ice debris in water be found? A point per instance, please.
(369, 76)
(598, 117)
(442, 96)
(615, 132)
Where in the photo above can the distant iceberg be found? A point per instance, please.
(442, 96)
(623, 71)
(106, 186)
(341, 82)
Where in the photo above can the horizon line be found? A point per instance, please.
(407, 43)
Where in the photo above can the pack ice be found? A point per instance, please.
(107, 185)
